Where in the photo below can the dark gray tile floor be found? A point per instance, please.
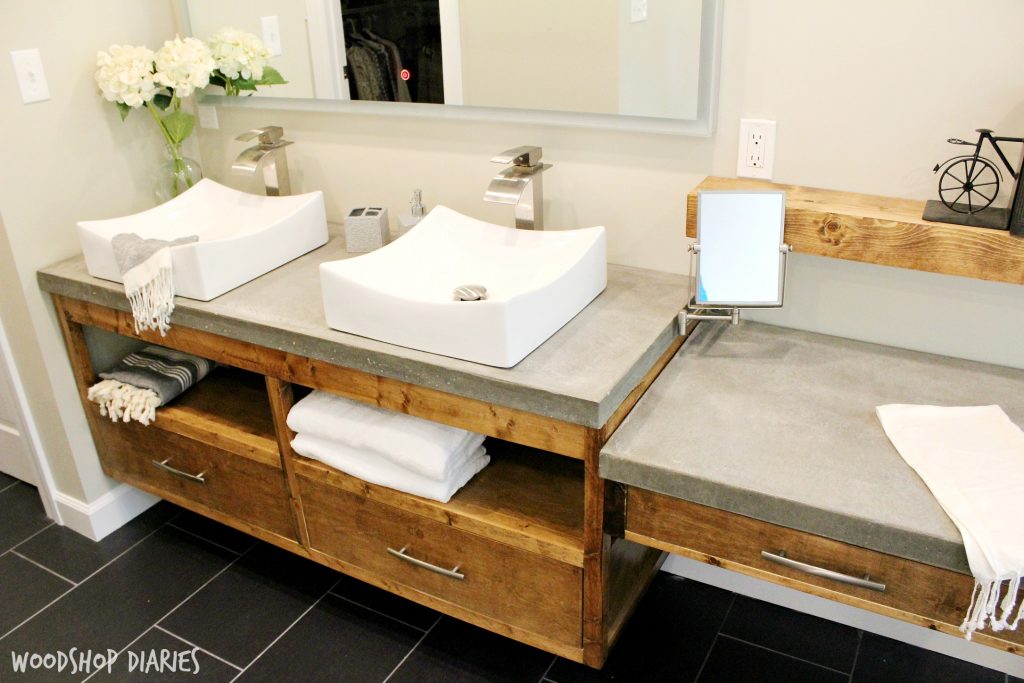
(180, 598)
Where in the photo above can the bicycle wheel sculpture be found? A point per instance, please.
(969, 184)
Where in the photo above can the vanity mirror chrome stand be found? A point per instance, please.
(739, 259)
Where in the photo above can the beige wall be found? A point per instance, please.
(65, 159)
(540, 54)
(864, 93)
(209, 16)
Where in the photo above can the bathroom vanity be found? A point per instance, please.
(755, 448)
(536, 537)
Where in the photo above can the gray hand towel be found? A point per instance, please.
(145, 266)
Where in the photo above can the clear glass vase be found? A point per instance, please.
(175, 175)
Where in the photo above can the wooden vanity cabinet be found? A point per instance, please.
(915, 592)
(531, 548)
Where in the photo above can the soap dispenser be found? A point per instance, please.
(409, 219)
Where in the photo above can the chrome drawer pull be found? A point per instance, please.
(451, 573)
(162, 464)
(780, 558)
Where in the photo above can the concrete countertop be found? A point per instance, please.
(780, 425)
(580, 375)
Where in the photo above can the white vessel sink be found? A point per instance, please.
(241, 236)
(403, 293)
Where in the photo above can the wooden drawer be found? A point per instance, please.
(505, 589)
(915, 592)
(243, 489)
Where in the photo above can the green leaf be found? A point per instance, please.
(179, 125)
(271, 76)
(123, 109)
(244, 84)
(162, 101)
(217, 78)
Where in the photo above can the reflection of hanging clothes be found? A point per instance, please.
(367, 75)
(395, 65)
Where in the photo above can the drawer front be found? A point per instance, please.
(239, 487)
(512, 586)
(915, 592)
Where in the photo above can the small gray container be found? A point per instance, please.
(366, 228)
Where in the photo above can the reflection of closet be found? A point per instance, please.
(393, 48)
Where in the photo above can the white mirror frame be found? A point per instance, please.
(702, 126)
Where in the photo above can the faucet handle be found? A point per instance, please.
(268, 135)
(525, 155)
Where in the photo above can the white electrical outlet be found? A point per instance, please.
(28, 67)
(756, 149)
(271, 35)
(638, 10)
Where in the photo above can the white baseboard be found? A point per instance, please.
(918, 636)
(109, 512)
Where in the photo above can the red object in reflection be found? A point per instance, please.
(405, 75)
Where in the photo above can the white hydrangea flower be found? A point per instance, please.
(239, 54)
(125, 74)
(183, 65)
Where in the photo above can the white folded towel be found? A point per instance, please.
(379, 470)
(427, 448)
(972, 459)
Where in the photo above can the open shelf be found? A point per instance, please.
(881, 230)
(526, 498)
(228, 409)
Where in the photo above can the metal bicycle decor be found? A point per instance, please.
(969, 183)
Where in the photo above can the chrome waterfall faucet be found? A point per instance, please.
(521, 185)
(270, 151)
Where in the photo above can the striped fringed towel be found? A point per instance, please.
(145, 266)
(972, 459)
(144, 380)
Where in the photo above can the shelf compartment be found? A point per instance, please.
(881, 230)
(228, 410)
(524, 498)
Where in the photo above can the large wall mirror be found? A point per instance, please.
(632, 64)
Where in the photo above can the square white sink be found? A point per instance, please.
(403, 293)
(241, 236)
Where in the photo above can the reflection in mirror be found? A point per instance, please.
(588, 56)
(741, 252)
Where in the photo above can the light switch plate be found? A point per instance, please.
(271, 34)
(208, 116)
(638, 10)
(28, 68)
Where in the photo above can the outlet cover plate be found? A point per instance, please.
(756, 149)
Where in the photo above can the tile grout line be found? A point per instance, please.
(707, 655)
(167, 614)
(784, 654)
(204, 538)
(856, 654)
(43, 567)
(289, 628)
(191, 644)
(544, 676)
(370, 609)
(409, 653)
(65, 593)
(26, 540)
(11, 485)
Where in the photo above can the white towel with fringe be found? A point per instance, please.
(145, 266)
(379, 470)
(972, 459)
(427, 448)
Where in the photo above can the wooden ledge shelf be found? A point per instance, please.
(229, 410)
(881, 230)
(522, 499)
